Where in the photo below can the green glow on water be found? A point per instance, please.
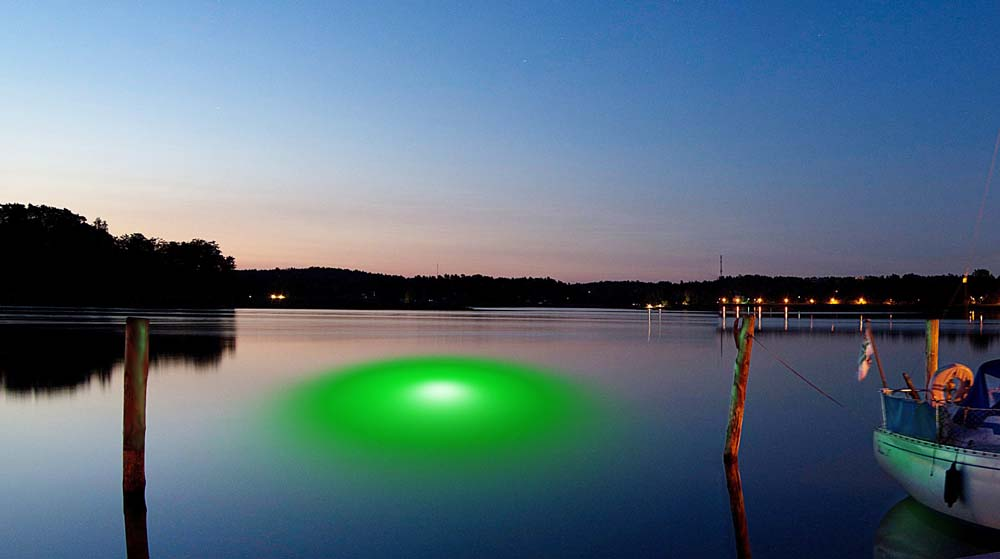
(426, 409)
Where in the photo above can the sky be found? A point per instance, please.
(575, 140)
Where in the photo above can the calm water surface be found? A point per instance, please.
(221, 485)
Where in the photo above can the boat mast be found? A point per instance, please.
(931, 348)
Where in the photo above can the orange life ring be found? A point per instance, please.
(951, 384)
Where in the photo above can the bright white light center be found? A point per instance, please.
(442, 391)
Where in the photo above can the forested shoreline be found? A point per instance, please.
(55, 257)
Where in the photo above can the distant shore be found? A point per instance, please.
(56, 257)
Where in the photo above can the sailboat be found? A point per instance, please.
(942, 443)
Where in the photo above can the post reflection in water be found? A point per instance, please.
(737, 508)
(134, 508)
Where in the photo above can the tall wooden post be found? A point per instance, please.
(134, 420)
(743, 331)
(931, 348)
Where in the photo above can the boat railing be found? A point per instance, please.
(940, 422)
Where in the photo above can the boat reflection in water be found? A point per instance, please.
(911, 530)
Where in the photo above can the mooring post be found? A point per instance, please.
(931, 348)
(134, 416)
(743, 331)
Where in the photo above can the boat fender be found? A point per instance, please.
(952, 485)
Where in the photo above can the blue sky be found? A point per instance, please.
(574, 140)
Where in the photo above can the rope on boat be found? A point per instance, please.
(796, 373)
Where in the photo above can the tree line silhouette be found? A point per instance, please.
(338, 288)
(55, 257)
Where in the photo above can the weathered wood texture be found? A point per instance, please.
(134, 405)
(931, 348)
(743, 331)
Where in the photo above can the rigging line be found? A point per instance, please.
(982, 203)
(796, 373)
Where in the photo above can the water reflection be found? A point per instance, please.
(659, 486)
(737, 507)
(975, 335)
(40, 354)
(136, 539)
(912, 531)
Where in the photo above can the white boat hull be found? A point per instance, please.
(920, 466)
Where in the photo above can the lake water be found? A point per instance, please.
(647, 482)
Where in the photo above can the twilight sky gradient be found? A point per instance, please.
(577, 140)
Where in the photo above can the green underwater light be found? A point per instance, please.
(429, 408)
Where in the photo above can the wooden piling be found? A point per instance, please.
(931, 348)
(743, 330)
(134, 416)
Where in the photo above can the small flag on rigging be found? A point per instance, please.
(867, 352)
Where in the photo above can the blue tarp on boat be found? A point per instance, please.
(910, 418)
(979, 394)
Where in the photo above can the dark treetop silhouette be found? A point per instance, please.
(54, 257)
